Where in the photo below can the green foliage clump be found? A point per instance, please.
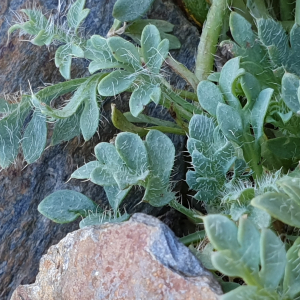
(242, 125)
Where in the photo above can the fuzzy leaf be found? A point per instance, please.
(230, 123)
(35, 138)
(273, 259)
(103, 176)
(161, 155)
(10, 129)
(115, 196)
(89, 120)
(66, 206)
(289, 89)
(76, 14)
(85, 171)
(292, 272)
(63, 60)
(285, 147)
(66, 129)
(130, 10)
(209, 96)
(229, 74)
(132, 150)
(115, 83)
(124, 51)
(259, 111)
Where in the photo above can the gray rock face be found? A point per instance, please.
(25, 234)
(140, 259)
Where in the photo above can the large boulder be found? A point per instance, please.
(24, 233)
(138, 260)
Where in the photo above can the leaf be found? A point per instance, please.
(273, 259)
(63, 60)
(230, 72)
(289, 89)
(103, 176)
(132, 150)
(130, 10)
(157, 193)
(66, 129)
(43, 38)
(49, 93)
(115, 83)
(66, 206)
(35, 138)
(291, 286)
(76, 14)
(86, 91)
(89, 120)
(115, 196)
(280, 206)
(285, 147)
(101, 218)
(85, 171)
(161, 155)
(201, 128)
(10, 129)
(259, 112)
(250, 293)
(124, 52)
(209, 96)
(234, 245)
(230, 123)
(141, 96)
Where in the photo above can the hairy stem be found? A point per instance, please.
(209, 39)
(194, 216)
(183, 72)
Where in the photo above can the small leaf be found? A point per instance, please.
(66, 206)
(209, 96)
(115, 196)
(292, 272)
(161, 155)
(63, 60)
(115, 83)
(230, 122)
(259, 112)
(280, 206)
(132, 150)
(285, 147)
(103, 176)
(125, 10)
(66, 129)
(10, 129)
(273, 259)
(85, 171)
(76, 14)
(89, 120)
(289, 88)
(124, 51)
(35, 138)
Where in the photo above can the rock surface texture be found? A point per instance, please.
(24, 233)
(137, 260)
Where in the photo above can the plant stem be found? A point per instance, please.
(194, 216)
(123, 124)
(251, 155)
(297, 12)
(193, 238)
(186, 94)
(182, 71)
(209, 39)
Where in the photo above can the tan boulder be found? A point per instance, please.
(139, 259)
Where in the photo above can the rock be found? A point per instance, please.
(139, 259)
(24, 233)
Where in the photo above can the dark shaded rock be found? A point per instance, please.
(25, 234)
(138, 260)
